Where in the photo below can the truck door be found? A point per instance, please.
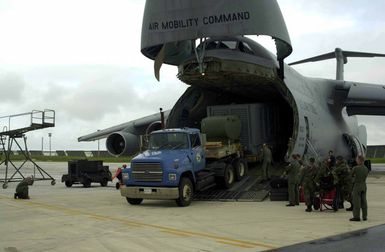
(197, 152)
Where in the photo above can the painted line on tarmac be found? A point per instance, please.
(165, 229)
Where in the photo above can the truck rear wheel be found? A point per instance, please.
(186, 192)
(241, 168)
(229, 176)
(134, 201)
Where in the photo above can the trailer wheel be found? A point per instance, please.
(87, 183)
(68, 183)
(229, 176)
(186, 192)
(53, 182)
(104, 182)
(134, 201)
(241, 168)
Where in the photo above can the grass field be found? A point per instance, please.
(68, 158)
(113, 159)
(377, 160)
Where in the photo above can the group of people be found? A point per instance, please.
(333, 172)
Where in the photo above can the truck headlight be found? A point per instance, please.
(125, 177)
(172, 176)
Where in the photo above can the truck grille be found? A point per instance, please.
(147, 172)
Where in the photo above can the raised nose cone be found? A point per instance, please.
(175, 25)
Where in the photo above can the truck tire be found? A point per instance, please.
(228, 176)
(104, 182)
(186, 192)
(133, 201)
(241, 168)
(68, 183)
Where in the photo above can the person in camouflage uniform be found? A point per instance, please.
(324, 177)
(22, 188)
(307, 180)
(344, 182)
(266, 164)
(325, 181)
(292, 171)
(360, 173)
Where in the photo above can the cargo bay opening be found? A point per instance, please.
(264, 119)
(236, 75)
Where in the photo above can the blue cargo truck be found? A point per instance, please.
(179, 162)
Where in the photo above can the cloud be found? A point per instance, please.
(12, 87)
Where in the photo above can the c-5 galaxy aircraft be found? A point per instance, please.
(206, 41)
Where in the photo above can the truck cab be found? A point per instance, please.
(167, 169)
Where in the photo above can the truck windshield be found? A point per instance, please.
(168, 141)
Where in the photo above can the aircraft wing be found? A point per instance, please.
(132, 126)
(361, 98)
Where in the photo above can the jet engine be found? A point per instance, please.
(122, 143)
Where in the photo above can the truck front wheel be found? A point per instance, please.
(68, 183)
(186, 192)
(134, 201)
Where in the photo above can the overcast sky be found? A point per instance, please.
(82, 58)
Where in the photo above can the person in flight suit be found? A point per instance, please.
(344, 181)
(292, 171)
(266, 164)
(307, 180)
(22, 188)
(360, 173)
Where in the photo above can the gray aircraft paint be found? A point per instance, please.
(318, 104)
(262, 17)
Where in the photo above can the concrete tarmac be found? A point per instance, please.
(57, 218)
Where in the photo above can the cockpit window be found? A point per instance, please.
(226, 44)
(243, 47)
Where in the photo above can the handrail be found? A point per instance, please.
(38, 119)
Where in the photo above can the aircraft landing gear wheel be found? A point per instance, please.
(134, 201)
(229, 176)
(53, 182)
(186, 192)
(5, 185)
(241, 168)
